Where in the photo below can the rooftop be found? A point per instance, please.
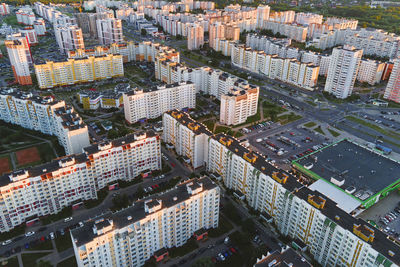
(359, 171)
(285, 258)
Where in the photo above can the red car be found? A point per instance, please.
(173, 165)
(233, 250)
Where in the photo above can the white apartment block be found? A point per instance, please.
(262, 15)
(332, 236)
(30, 34)
(392, 91)
(20, 57)
(283, 16)
(4, 9)
(195, 36)
(290, 70)
(342, 23)
(28, 194)
(308, 18)
(68, 37)
(188, 137)
(152, 103)
(343, 69)
(317, 59)
(40, 27)
(131, 236)
(72, 71)
(46, 115)
(25, 15)
(109, 31)
(370, 71)
(224, 46)
(292, 31)
(238, 105)
(216, 31)
(270, 45)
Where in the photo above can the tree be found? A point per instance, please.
(204, 262)
(139, 192)
(112, 134)
(43, 263)
(120, 202)
(143, 32)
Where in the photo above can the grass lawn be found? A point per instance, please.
(224, 226)
(31, 258)
(334, 133)
(70, 262)
(374, 127)
(238, 134)
(287, 118)
(311, 103)
(188, 247)
(12, 261)
(310, 124)
(63, 242)
(47, 245)
(220, 129)
(209, 124)
(11, 20)
(319, 130)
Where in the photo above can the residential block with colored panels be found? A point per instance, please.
(187, 136)
(150, 226)
(68, 37)
(28, 194)
(19, 53)
(25, 15)
(332, 236)
(392, 91)
(46, 115)
(100, 99)
(152, 103)
(72, 71)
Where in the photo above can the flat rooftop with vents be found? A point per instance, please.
(350, 174)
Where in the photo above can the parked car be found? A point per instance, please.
(31, 233)
(68, 219)
(5, 243)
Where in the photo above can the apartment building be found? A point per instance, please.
(146, 229)
(262, 15)
(20, 58)
(87, 22)
(4, 9)
(46, 115)
(286, 17)
(292, 31)
(343, 69)
(31, 193)
(270, 45)
(68, 37)
(332, 236)
(308, 18)
(392, 91)
(152, 103)
(317, 59)
(109, 31)
(40, 27)
(220, 30)
(290, 70)
(72, 71)
(187, 136)
(25, 15)
(92, 100)
(238, 105)
(195, 36)
(224, 46)
(285, 256)
(30, 34)
(370, 71)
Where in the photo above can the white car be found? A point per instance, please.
(68, 219)
(80, 224)
(52, 235)
(221, 256)
(5, 243)
(30, 233)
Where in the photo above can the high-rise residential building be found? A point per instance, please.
(87, 22)
(187, 136)
(216, 30)
(149, 227)
(30, 34)
(370, 71)
(262, 15)
(308, 18)
(20, 58)
(292, 31)
(195, 36)
(4, 9)
(238, 105)
(46, 189)
(46, 115)
(40, 27)
(152, 103)
(392, 91)
(25, 15)
(92, 68)
(343, 69)
(284, 257)
(68, 37)
(109, 31)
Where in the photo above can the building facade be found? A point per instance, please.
(343, 69)
(152, 103)
(109, 31)
(392, 91)
(68, 37)
(195, 36)
(20, 58)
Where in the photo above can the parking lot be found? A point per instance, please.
(288, 144)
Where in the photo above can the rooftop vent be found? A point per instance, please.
(175, 198)
(129, 218)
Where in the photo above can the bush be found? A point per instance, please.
(188, 247)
